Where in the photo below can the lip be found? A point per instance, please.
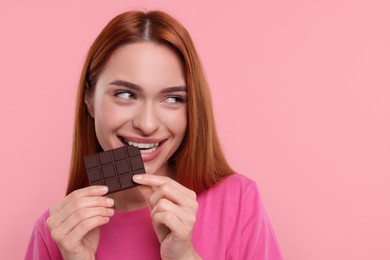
(146, 157)
(141, 140)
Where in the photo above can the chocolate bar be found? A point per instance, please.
(114, 168)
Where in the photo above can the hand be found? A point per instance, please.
(173, 210)
(74, 222)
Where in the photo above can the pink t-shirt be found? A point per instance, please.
(231, 223)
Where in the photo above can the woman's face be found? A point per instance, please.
(140, 99)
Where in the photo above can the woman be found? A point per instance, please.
(142, 84)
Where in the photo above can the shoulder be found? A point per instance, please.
(40, 223)
(237, 180)
(41, 245)
(235, 188)
(236, 183)
(41, 228)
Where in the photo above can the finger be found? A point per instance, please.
(170, 192)
(57, 218)
(79, 232)
(185, 200)
(180, 230)
(85, 202)
(157, 181)
(89, 191)
(165, 205)
(78, 217)
(182, 215)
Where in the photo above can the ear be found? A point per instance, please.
(88, 100)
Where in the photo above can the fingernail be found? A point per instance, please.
(110, 201)
(103, 188)
(110, 212)
(138, 177)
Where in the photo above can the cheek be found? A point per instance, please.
(177, 122)
(108, 116)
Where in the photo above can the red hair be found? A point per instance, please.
(199, 162)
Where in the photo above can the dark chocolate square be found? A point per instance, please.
(119, 154)
(97, 183)
(126, 181)
(108, 171)
(105, 158)
(136, 163)
(94, 174)
(131, 151)
(91, 161)
(112, 184)
(122, 167)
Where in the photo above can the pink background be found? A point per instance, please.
(301, 94)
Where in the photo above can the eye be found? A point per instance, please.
(124, 94)
(174, 100)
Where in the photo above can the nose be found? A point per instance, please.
(146, 119)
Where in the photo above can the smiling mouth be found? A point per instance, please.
(143, 147)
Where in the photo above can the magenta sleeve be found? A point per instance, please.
(258, 238)
(41, 246)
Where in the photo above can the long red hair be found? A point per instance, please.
(199, 162)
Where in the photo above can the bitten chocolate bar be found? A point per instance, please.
(114, 168)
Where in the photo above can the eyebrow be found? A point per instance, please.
(126, 84)
(136, 87)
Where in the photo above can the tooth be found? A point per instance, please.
(143, 145)
(149, 150)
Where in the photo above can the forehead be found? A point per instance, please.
(144, 64)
